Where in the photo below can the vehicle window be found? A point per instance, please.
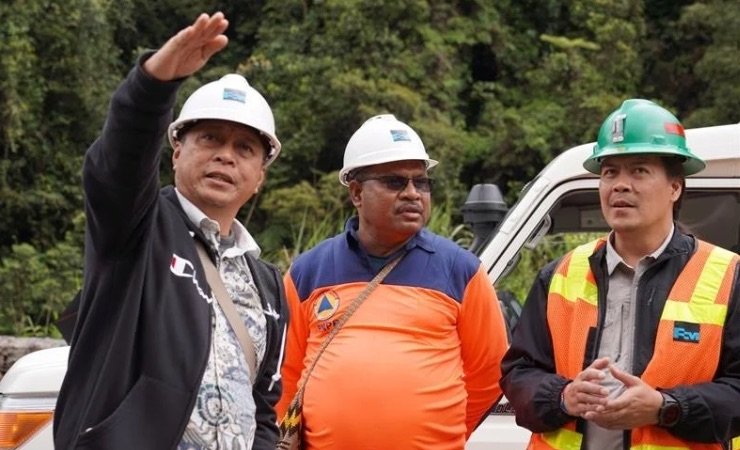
(713, 216)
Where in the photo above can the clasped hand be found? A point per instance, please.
(586, 396)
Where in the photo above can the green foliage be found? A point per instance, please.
(53, 82)
(145, 24)
(716, 70)
(692, 68)
(442, 221)
(495, 90)
(302, 215)
(344, 61)
(37, 285)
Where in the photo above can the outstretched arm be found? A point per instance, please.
(121, 172)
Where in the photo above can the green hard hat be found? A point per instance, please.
(642, 127)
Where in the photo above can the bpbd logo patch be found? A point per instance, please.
(324, 311)
(686, 332)
(326, 306)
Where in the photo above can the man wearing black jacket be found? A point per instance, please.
(154, 362)
(632, 340)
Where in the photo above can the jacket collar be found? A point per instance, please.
(194, 217)
(680, 244)
(613, 258)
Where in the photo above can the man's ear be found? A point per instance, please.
(176, 154)
(677, 187)
(261, 180)
(355, 193)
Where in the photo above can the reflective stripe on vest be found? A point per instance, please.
(572, 308)
(735, 444)
(658, 447)
(566, 438)
(689, 333)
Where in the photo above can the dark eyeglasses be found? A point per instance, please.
(398, 183)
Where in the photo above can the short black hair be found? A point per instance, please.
(674, 170)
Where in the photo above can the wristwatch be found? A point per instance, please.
(670, 411)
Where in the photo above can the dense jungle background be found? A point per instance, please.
(496, 89)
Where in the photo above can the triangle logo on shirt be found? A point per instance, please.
(326, 306)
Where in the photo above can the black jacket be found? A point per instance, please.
(142, 336)
(710, 410)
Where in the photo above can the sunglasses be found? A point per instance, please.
(398, 183)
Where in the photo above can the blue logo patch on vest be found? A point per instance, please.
(400, 135)
(235, 94)
(686, 332)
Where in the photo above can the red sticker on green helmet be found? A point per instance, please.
(674, 128)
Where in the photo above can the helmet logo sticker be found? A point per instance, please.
(674, 128)
(235, 95)
(400, 135)
(326, 306)
(618, 127)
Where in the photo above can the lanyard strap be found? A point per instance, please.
(227, 306)
(347, 314)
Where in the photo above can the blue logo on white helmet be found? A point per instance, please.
(236, 95)
(400, 135)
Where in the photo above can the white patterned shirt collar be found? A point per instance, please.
(243, 241)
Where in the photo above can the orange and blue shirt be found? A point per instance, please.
(417, 365)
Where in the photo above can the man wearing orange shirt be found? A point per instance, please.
(417, 365)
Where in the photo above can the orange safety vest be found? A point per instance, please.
(699, 297)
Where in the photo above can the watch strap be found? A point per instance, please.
(670, 411)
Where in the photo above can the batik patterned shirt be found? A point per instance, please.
(224, 413)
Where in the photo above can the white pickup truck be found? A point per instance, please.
(556, 211)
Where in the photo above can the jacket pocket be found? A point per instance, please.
(149, 417)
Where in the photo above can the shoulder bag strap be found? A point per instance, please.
(351, 310)
(227, 306)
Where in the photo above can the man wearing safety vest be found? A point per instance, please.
(632, 341)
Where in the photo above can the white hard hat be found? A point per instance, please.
(229, 98)
(379, 140)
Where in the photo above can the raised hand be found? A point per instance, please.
(190, 49)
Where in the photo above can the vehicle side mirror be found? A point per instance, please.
(483, 211)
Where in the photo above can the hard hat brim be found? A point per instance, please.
(391, 158)
(691, 163)
(175, 126)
